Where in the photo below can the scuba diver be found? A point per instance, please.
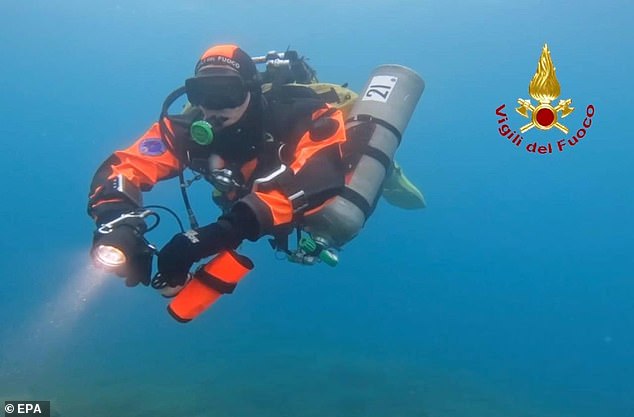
(280, 156)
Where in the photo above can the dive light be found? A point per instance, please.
(110, 254)
(109, 257)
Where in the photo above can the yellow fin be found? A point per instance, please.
(401, 192)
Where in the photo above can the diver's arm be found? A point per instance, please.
(176, 258)
(117, 185)
(319, 177)
(315, 173)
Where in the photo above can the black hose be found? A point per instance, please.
(168, 138)
(170, 211)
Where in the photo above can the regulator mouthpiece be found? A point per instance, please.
(202, 132)
(109, 256)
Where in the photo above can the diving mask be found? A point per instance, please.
(203, 131)
(216, 92)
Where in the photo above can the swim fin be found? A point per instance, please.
(400, 192)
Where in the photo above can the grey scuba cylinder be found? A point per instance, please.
(375, 126)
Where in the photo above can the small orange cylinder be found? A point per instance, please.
(219, 276)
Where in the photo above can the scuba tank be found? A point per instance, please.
(375, 126)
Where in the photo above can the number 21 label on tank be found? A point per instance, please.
(380, 88)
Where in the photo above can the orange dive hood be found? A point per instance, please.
(217, 277)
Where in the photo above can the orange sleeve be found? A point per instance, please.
(143, 164)
(147, 161)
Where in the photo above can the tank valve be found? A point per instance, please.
(310, 251)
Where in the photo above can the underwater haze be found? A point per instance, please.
(510, 295)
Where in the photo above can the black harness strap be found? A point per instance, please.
(329, 96)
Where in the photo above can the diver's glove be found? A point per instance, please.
(127, 236)
(176, 258)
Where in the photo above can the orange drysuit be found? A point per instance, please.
(285, 160)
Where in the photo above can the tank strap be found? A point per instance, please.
(357, 145)
(214, 283)
(380, 156)
(371, 119)
(358, 200)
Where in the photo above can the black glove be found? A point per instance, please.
(184, 249)
(127, 236)
(179, 254)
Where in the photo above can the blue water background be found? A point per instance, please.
(512, 294)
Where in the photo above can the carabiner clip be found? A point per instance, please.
(109, 227)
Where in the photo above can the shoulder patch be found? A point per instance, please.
(152, 147)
